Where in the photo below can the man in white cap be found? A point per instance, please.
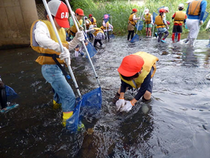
(195, 14)
(44, 41)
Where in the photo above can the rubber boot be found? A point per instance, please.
(56, 105)
(66, 116)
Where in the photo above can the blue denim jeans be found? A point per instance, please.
(63, 90)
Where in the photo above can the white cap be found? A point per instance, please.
(181, 5)
(166, 8)
(146, 11)
(189, 1)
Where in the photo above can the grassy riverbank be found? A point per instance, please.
(120, 11)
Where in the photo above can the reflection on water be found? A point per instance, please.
(174, 124)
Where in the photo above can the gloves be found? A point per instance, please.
(66, 116)
(127, 107)
(80, 36)
(65, 55)
(120, 103)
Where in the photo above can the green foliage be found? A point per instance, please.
(82, 4)
(120, 11)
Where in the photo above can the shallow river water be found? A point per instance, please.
(175, 124)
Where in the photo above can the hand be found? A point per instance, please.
(80, 36)
(120, 103)
(127, 107)
(65, 55)
(201, 22)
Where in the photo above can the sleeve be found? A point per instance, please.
(134, 17)
(174, 16)
(42, 37)
(151, 19)
(203, 9)
(124, 85)
(104, 24)
(143, 87)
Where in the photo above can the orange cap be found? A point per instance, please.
(131, 65)
(79, 12)
(134, 10)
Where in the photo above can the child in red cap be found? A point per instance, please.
(136, 71)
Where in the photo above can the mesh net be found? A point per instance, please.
(91, 50)
(135, 38)
(88, 106)
(139, 25)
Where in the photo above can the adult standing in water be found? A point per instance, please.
(195, 14)
(136, 71)
(44, 41)
(132, 23)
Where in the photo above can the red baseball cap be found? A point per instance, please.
(60, 12)
(131, 65)
(90, 15)
(79, 12)
(134, 10)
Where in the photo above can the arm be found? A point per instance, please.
(173, 16)
(142, 89)
(42, 37)
(202, 9)
(151, 19)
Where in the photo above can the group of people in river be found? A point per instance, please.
(191, 19)
(135, 71)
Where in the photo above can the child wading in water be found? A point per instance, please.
(161, 26)
(149, 22)
(179, 18)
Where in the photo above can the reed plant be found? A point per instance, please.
(120, 11)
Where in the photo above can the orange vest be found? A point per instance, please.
(179, 17)
(147, 18)
(159, 22)
(194, 8)
(35, 46)
(97, 30)
(131, 21)
(94, 21)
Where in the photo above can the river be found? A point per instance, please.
(176, 123)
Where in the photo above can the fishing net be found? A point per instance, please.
(139, 25)
(91, 50)
(89, 107)
(135, 38)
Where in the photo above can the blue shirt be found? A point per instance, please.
(202, 11)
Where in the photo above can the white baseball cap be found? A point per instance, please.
(60, 12)
(189, 1)
(146, 11)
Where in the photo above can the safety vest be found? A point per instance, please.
(147, 18)
(97, 30)
(87, 24)
(194, 8)
(35, 46)
(106, 27)
(179, 17)
(149, 62)
(73, 30)
(94, 21)
(131, 21)
(159, 22)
